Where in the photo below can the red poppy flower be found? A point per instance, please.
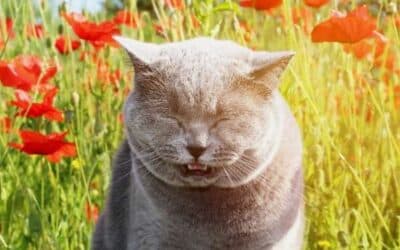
(35, 31)
(159, 30)
(33, 110)
(316, 3)
(97, 34)
(374, 49)
(91, 212)
(351, 28)
(127, 18)
(5, 124)
(64, 45)
(360, 49)
(7, 27)
(25, 72)
(175, 4)
(260, 4)
(365, 47)
(53, 146)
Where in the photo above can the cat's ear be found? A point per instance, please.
(141, 54)
(267, 67)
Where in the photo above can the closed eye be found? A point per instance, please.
(217, 122)
(180, 124)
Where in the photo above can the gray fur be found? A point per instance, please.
(224, 97)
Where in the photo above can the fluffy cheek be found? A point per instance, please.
(152, 129)
(139, 129)
(238, 136)
(145, 124)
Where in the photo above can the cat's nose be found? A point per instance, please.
(196, 151)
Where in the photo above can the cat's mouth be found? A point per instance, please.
(197, 170)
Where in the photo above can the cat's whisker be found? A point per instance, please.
(151, 158)
(125, 163)
(253, 192)
(256, 193)
(267, 183)
(121, 178)
(228, 176)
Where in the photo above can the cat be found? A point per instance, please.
(212, 157)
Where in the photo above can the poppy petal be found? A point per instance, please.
(351, 28)
(316, 3)
(97, 34)
(53, 146)
(260, 4)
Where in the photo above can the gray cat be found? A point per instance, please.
(212, 158)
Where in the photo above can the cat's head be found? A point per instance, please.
(203, 112)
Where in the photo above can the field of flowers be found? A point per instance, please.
(63, 81)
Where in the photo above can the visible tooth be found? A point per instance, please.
(193, 166)
(197, 167)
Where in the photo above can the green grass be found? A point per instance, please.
(351, 144)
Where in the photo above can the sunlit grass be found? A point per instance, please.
(345, 107)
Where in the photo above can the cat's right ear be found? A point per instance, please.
(141, 54)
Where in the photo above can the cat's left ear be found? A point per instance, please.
(267, 67)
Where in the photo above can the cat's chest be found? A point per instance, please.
(151, 227)
(150, 231)
(156, 235)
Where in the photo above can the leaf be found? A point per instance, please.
(215, 31)
(34, 223)
(227, 6)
